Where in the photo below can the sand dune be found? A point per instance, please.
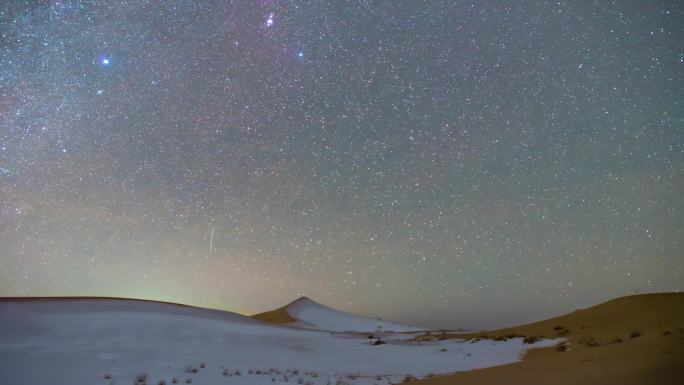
(308, 314)
(630, 340)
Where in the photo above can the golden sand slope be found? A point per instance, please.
(277, 316)
(630, 340)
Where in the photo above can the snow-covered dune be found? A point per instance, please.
(308, 314)
(111, 341)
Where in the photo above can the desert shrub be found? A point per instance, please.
(141, 379)
(530, 340)
(379, 342)
(561, 348)
(191, 369)
(634, 334)
(616, 341)
(161, 382)
(667, 333)
(188, 380)
(203, 365)
(107, 376)
(225, 372)
(557, 328)
(354, 376)
(509, 336)
(174, 380)
(443, 349)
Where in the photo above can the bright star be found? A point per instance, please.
(300, 54)
(270, 21)
(105, 61)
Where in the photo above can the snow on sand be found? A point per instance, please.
(313, 315)
(83, 341)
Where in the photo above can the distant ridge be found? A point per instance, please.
(84, 298)
(98, 304)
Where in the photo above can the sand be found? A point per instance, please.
(630, 340)
(278, 316)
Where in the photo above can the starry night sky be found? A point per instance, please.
(450, 163)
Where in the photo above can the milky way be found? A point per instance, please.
(449, 163)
